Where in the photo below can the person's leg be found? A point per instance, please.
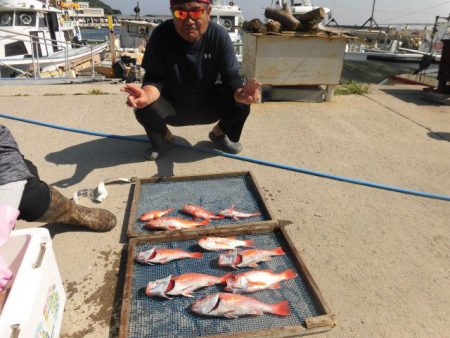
(232, 121)
(153, 119)
(232, 116)
(41, 203)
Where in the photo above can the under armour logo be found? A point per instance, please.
(207, 56)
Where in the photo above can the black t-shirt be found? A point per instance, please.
(185, 72)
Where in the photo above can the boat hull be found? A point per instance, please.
(57, 60)
(376, 71)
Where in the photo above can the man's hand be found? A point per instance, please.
(251, 93)
(137, 97)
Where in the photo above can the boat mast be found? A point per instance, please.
(371, 20)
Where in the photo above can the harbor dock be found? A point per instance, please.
(379, 257)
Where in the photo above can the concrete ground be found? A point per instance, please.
(381, 259)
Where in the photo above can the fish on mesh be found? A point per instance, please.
(174, 223)
(223, 243)
(248, 258)
(253, 281)
(163, 256)
(234, 306)
(184, 284)
(231, 212)
(152, 214)
(200, 212)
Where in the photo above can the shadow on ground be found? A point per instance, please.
(107, 153)
(180, 154)
(440, 136)
(409, 95)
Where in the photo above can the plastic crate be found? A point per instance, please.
(33, 303)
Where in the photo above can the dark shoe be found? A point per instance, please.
(65, 211)
(224, 143)
(158, 147)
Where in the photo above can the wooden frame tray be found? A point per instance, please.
(153, 317)
(213, 192)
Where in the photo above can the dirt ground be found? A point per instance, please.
(380, 258)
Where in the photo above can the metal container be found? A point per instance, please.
(293, 59)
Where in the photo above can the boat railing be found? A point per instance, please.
(36, 41)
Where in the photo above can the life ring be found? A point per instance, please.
(227, 23)
(6, 20)
(25, 19)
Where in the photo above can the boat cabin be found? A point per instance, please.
(24, 21)
(135, 33)
(230, 17)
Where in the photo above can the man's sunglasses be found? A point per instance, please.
(194, 14)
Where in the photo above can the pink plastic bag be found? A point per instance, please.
(8, 218)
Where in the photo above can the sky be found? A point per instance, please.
(350, 12)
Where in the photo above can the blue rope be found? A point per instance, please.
(241, 158)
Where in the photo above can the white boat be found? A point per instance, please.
(386, 57)
(304, 6)
(134, 34)
(231, 18)
(34, 38)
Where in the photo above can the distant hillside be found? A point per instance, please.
(97, 3)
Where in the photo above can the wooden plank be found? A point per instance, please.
(192, 177)
(126, 297)
(302, 266)
(207, 230)
(313, 325)
(225, 232)
(134, 207)
(320, 322)
(287, 331)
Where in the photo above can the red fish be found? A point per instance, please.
(233, 306)
(183, 285)
(234, 214)
(248, 258)
(253, 281)
(199, 212)
(163, 256)
(223, 243)
(155, 214)
(174, 223)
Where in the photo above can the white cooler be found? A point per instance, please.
(35, 299)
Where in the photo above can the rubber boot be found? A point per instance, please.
(65, 211)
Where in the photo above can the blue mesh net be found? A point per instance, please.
(155, 317)
(213, 194)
